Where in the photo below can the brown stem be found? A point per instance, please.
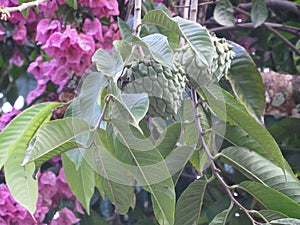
(277, 34)
(212, 164)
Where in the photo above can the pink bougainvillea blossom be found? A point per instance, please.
(20, 33)
(48, 8)
(65, 216)
(17, 58)
(45, 28)
(110, 34)
(101, 8)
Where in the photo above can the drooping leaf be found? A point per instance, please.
(259, 12)
(148, 167)
(123, 47)
(111, 176)
(19, 132)
(110, 63)
(85, 105)
(247, 82)
(223, 13)
(271, 199)
(14, 140)
(162, 19)
(198, 38)
(125, 30)
(81, 181)
(271, 215)
(260, 169)
(221, 218)
(236, 114)
(286, 221)
(189, 204)
(296, 57)
(54, 136)
(191, 135)
(159, 46)
(168, 139)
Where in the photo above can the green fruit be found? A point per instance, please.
(197, 72)
(164, 86)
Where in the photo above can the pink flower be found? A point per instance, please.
(2, 33)
(17, 58)
(102, 8)
(110, 34)
(63, 187)
(5, 119)
(20, 34)
(66, 217)
(45, 28)
(47, 187)
(38, 91)
(93, 28)
(48, 8)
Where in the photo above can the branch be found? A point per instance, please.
(194, 10)
(277, 34)
(24, 6)
(137, 16)
(282, 4)
(287, 29)
(212, 164)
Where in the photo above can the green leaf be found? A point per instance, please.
(271, 215)
(123, 47)
(72, 3)
(189, 204)
(221, 218)
(168, 139)
(198, 38)
(160, 18)
(223, 13)
(126, 31)
(247, 82)
(81, 181)
(159, 46)
(148, 167)
(54, 137)
(14, 140)
(286, 221)
(259, 12)
(296, 57)
(235, 113)
(271, 199)
(259, 169)
(18, 133)
(110, 63)
(85, 105)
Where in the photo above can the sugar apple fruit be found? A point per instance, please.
(163, 85)
(198, 74)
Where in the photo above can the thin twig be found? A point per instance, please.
(287, 29)
(137, 17)
(24, 6)
(211, 162)
(277, 34)
(194, 10)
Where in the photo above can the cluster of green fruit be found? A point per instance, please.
(165, 86)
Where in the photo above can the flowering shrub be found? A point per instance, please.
(63, 46)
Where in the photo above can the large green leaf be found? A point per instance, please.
(54, 138)
(14, 140)
(125, 30)
(259, 12)
(221, 218)
(247, 82)
(81, 181)
(160, 18)
(271, 199)
(159, 46)
(110, 63)
(123, 47)
(189, 204)
(223, 13)
(235, 113)
(199, 40)
(148, 167)
(22, 128)
(85, 106)
(262, 170)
